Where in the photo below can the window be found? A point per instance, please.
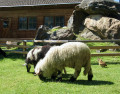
(5, 24)
(27, 23)
(52, 21)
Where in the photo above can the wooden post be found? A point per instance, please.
(24, 49)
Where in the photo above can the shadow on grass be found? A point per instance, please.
(2, 57)
(13, 56)
(79, 82)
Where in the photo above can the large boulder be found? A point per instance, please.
(75, 23)
(103, 7)
(42, 34)
(107, 8)
(87, 34)
(104, 27)
(62, 34)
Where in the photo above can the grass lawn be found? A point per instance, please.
(15, 80)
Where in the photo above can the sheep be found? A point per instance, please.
(72, 54)
(34, 55)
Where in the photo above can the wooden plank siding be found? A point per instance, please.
(40, 13)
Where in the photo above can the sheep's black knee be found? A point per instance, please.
(90, 77)
(72, 79)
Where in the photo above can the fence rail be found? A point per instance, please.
(25, 46)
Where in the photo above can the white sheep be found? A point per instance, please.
(72, 54)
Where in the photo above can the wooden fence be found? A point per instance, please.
(25, 46)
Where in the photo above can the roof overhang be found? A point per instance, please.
(40, 5)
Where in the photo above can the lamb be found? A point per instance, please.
(34, 55)
(72, 54)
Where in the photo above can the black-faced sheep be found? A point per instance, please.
(72, 54)
(34, 55)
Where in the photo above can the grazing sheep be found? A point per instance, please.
(72, 54)
(34, 55)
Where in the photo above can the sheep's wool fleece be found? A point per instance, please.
(71, 54)
(33, 52)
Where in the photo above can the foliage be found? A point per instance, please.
(55, 29)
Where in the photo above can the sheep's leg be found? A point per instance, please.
(65, 71)
(54, 75)
(28, 66)
(59, 75)
(90, 75)
(76, 74)
(34, 68)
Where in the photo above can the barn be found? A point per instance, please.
(21, 18)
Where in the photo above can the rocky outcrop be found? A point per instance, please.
(62, 34)
(59, 33)
(87, 34)
(94, 19)
(104, 7)
(104, 27)
(100, 17)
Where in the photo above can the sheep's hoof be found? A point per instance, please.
(90, 77)
(59, 79)
(72, 79)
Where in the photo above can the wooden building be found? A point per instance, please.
(21, 18)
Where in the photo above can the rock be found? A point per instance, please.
(113, 31)
(42, 33)
(70, 22)
(107, 8)
(57, 27)
(75, 23)
(104, 27)
(62, 34)
(87, 34)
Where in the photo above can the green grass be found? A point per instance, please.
(15, 80)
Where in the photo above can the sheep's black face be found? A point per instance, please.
(28, 61)
(42, 77)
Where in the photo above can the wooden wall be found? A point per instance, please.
(14, 32)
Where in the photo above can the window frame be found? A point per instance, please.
(27, 23)
(54, 18)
